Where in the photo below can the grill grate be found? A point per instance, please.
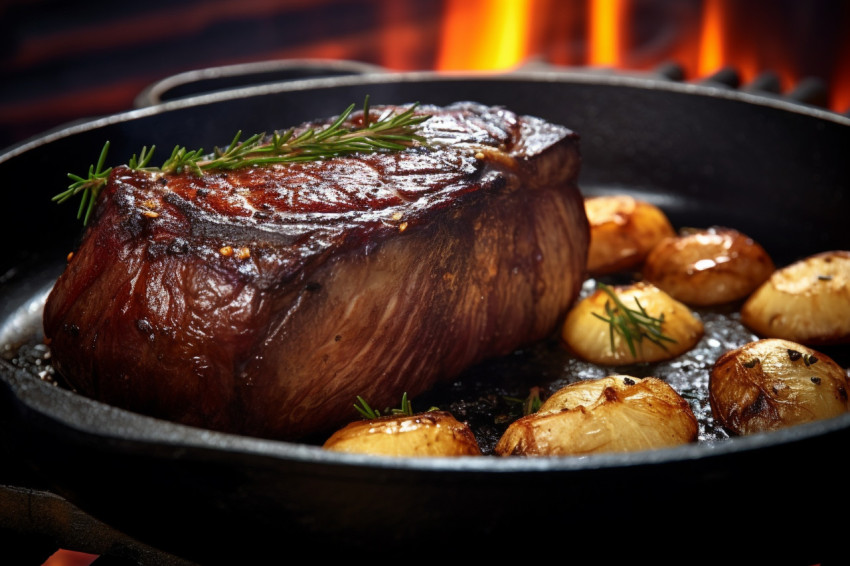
(811, 91)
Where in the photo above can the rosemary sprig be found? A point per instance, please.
(364, 409)
(632, 324)
(533, 402)
(90, 186)
(530, 404)
(406, 407)
(368, 412)
(390, 132)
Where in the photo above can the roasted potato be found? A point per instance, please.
(772, 383)
(628, 324)
(807, 301)
(617, 413)
(708, 267)
(431, 433)
(622, 232)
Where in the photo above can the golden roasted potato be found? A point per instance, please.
(708, 267)
(628, 324)
(772, 383)
(622, 232)
(431, 433)
(806, 302)
(617, 413)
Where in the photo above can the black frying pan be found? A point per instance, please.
(775, 170)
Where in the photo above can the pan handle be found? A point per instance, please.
(214, 79)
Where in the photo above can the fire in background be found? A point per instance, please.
(61, 61)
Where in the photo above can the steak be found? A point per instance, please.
(263, 300)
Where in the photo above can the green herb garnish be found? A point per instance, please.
(364, 409)
(632, 324)
(90, 186)
(390, 132)
(530, 404)
(368, 412)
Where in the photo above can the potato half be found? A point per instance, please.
(590, 337)
(622, 232)
(806, 302)
(432, 433)
(772, 383)
(617, 413)
(707, 267)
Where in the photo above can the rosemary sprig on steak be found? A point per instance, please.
(390, 132)
(632, 324)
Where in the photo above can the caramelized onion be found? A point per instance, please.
(772, 383)
(432, 433)
(708, 267)
(622, 232)
(807, 301)
(617, 413)
(590, 337)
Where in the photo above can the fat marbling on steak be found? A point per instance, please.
(263, 301)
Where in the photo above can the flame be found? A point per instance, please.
(711, 56)
(503, 34)
(606, 32)
(720, 46)
(485, 35)
(840, 93)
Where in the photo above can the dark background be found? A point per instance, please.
(63, 60)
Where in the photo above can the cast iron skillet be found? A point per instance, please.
(775, 170)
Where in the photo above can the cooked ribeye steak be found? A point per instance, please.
(264, 300)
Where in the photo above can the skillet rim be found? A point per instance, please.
(529, 76)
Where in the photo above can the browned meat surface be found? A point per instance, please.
(263, 301)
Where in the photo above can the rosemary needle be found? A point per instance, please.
(633, 324)
(90, 186)
(392, 131)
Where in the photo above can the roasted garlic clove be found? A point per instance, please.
(432, 433)
(807, 301)
(708, 267)
(617, 413)
(622, 232)
(773, 383)
(630, 324)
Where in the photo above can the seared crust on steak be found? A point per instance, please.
(262, 301)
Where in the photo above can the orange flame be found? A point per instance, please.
(720, 46)
(711, 56)
(484, 35)
(840, 94)
(606, 32)
(503, 34)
